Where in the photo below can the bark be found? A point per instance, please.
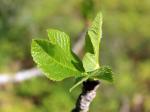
(86, 97)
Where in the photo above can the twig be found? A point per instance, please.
(78, 46)
(87, 95)
(19, 76)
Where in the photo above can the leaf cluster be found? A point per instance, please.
(56, 59)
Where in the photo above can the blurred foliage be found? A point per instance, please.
(125, 47)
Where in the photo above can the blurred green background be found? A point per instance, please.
(125, 47)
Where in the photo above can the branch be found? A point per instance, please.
(78, 46)
(19, 76)
(87, 96)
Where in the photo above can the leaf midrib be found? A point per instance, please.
(57, 61)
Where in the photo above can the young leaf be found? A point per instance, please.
(62, 40)
(59, 38)
(89, 62)
(95, 34)
(53, 61)
(104, 73)
(92, 44)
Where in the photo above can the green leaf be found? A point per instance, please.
(95, 34)
(104, 73)
(92, 44)
(89, 62)
(53, 61)
(62, 40)
(79, 80)
(59, 38)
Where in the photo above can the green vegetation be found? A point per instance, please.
(125, 47)
(56, 59)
